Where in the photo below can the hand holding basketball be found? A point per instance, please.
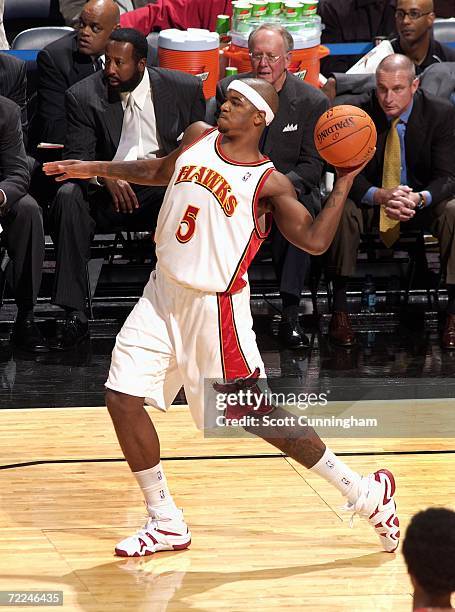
(345, 136)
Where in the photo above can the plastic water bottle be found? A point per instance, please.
(369, 295)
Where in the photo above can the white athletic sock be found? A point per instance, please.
(337, 473)
(156, 492)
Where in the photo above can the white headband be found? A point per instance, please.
(256, 99)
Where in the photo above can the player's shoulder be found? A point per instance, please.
(276, 184)
(196, 131)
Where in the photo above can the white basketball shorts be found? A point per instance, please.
(178, 336)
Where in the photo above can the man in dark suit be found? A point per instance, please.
(422, 196)
(13, 83)
(289, 143)
(20, 219)
(101, 117)
(69, 60)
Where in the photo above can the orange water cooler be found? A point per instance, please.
(194, 51)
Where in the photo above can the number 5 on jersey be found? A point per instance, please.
(187, 225)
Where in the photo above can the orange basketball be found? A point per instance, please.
(344, 136)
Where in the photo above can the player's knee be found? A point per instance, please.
(120, 404)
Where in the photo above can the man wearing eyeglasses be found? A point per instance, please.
(289, 143)
(414, 22)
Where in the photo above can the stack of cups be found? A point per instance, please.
(241, 14)
(246, 11)
(295, 10)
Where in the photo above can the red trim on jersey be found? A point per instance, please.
(203, 135)
(256, 239)
(237, 282)
(256, 197)
(234, 162)
(232, 357)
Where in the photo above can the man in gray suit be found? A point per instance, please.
(22, 226)
(101, 116)
(289, 143)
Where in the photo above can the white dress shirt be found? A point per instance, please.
(149, 141)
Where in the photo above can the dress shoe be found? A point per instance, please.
(291, 334)
(73, 333)
(340, 330)
(448, 335)
(27, 337)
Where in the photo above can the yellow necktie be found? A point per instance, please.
(391, 177)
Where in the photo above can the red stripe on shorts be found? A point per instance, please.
(232, 357)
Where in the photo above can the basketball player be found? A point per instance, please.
(194, 322)
(429, 553)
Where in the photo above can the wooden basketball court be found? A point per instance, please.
(267, 534)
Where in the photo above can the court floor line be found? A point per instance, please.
(10, 466)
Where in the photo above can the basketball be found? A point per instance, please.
(344, 136)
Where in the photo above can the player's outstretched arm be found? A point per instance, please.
(141, 172)
(293, 219)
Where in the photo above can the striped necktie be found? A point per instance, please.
(98, 64)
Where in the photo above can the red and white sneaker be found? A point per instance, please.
(376, 504)
(159, 533)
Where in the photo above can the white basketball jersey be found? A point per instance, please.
(208, 231)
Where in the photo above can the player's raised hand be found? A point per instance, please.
(69, 169)
(353, 172)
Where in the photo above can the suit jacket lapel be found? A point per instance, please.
(112, 115)
(82, 64)
(286, 109)
(164, 106)
(414, 132)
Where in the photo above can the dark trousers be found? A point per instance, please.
(23, 236)
(291, 264)
(76, 213)
(438, 218)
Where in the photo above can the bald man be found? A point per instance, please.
(193, 324)
(69, 60)
(423, 197)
